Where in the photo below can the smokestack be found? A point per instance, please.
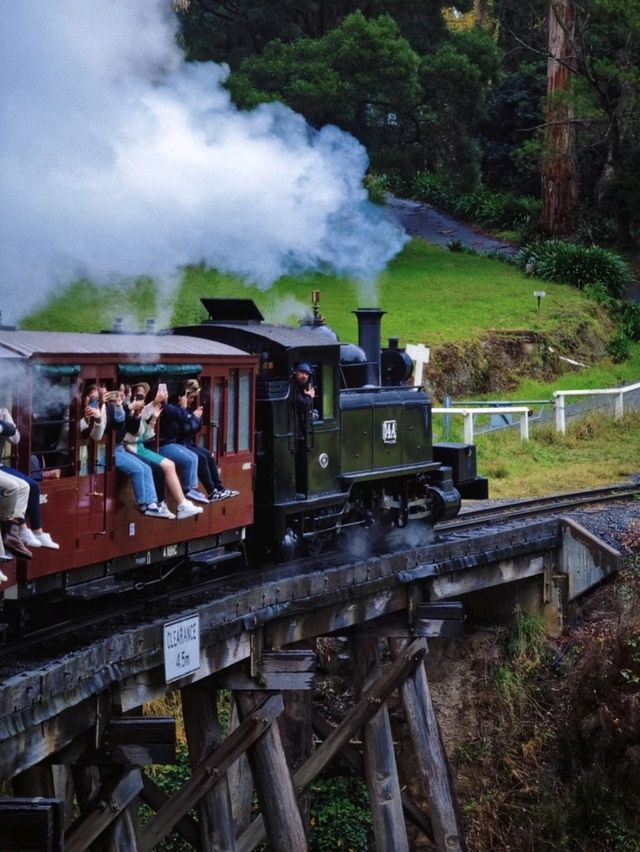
(369, 337)
(151, 327)
(118, 325)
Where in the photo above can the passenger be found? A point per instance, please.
(171, 427)
(34, 537)
(208, 472)
(134, 442)
(14, 496)
(304, 394)
(120, 420)
(93, 422)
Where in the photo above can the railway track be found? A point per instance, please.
(537, 506)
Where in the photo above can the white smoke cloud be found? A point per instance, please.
(120, 159)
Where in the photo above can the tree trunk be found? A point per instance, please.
(560, 170)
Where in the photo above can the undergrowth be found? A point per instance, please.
(554, 763)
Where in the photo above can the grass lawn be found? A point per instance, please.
(431, 295)
(595, 451)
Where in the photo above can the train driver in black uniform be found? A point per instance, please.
(303, 402)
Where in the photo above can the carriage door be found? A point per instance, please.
(92, 463)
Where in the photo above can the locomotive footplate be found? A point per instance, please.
(309, 504)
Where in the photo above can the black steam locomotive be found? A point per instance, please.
(368, 449)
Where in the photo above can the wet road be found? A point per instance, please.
(423, 220)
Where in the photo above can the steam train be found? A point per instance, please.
(368, 452)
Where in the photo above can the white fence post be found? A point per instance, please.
(524, 426)
(561, 425)
(618, 406)
(468, 427)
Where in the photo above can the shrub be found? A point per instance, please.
(569, 263)
(490, 209)
(377, 187)
(619, 347)
(340, 815)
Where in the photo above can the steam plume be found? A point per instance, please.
(120, 159)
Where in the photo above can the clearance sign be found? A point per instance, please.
(181, 639)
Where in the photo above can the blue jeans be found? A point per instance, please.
(33, 506)
(140, 473)
(186, 464)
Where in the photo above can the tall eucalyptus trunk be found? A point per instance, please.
(559, 168)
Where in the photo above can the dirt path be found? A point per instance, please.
(423, 220)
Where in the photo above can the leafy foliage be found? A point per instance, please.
(356, 76)
(570, 263)
(340, 815)
(490, 209)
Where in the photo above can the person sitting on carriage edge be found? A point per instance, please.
(208, 472)
(303, 404)
(36, 536)
(119, 419)
(171, 424)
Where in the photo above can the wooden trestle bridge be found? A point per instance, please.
(74, 742)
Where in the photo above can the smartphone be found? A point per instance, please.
(162, 388)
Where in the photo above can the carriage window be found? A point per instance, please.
(52, 444)
(244, 410)
(232, 407)
(218, 413)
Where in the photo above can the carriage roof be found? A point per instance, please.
(126, 347)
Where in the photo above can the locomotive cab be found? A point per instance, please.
(286, 516)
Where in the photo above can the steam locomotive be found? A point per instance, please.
(368, 451)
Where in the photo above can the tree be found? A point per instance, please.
(362, 76)
(560, 168)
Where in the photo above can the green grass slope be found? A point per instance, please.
(431, 295)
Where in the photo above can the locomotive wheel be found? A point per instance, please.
(314, 545)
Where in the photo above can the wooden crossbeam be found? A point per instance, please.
(131, 740)
(106, 808)
(367, 707)
(35, 824)
(156, 798)
(433, 620)
(209, 771)
(354, 761)
(274, 671)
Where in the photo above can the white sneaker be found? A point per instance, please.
(160, 511)
(187, 510)
(29, 537)
(46, 541)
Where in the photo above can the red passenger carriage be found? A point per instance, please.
(105, 543)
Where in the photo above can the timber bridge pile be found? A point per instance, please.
(74, 741)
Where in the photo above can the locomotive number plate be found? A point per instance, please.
(389, 431)
(181, 641)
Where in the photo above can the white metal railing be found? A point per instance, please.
(616, 393)
(470, 413)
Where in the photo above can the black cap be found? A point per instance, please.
(304, 368)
